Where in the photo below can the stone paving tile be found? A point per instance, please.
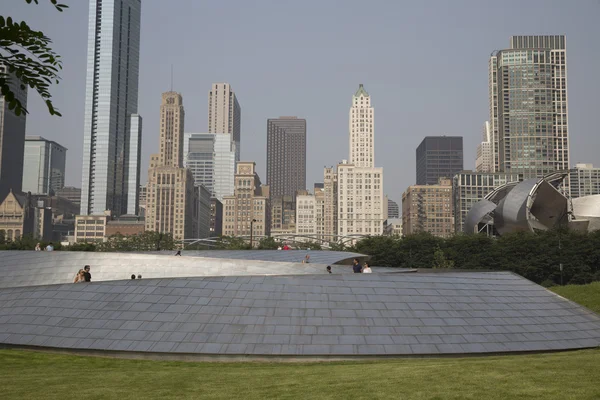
(392, 314)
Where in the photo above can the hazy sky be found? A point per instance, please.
(424, 63)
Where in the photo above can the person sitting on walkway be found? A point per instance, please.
(306, 260)
(132, 276)
(329, 268)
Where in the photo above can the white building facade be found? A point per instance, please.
(485, 158)
(306, 216)
(225, 114)
(360, 207)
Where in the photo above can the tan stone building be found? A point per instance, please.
(172, 199)
(428, 208)
(17, 216)
(330, 193)
(91, 228)
(249, 203)
(283, 217)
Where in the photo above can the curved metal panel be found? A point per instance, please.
(511, 213)
(500, 192)
(588, 208)
(476, 214)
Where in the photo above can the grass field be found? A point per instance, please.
(567, 375)
(586, 295)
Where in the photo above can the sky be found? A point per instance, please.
(424, 63)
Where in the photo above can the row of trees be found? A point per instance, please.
(535, 256)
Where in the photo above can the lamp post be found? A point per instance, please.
(251, 232)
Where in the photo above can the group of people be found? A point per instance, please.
(358, 269)
(38, 247)
(83, 275)
(133, 276)
(285, 247)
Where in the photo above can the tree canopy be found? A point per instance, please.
(27, 55)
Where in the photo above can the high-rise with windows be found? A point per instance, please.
(44, 166)
(528, 106)
(286, 156)
(211, 158)
(439, 157)
(112, 128)
(485, 159)
(172, 199)
(225, 114)
(360, 206)
(585, 180)
(12, 138)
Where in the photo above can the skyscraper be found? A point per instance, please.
(528, 106)
(362, 145)
(211, 158)
(485, 158)
(393, 209)
(12, 139)
(286, 156)
(439, 157)
(110, 121)
(360, 206)
(585, 180)
(225, 114)
(247, 210)
(428, 208)
(172, 199)
(44, 166)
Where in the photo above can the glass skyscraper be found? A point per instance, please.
(212, 158)
(108, 178)
(528, 106)
(44, 166)
(12, 139)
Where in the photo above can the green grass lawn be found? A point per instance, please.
(586, 295)
(567, 375)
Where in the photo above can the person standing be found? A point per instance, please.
(86, 273)
(79, 277)
(366, 269)
(356, 266)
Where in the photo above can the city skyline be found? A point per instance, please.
(459, 107)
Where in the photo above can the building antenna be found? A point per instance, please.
(171, 77)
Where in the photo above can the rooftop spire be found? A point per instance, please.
(361, 91)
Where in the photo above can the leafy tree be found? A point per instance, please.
(268, 243)
(233, 243)
(28, 55)
(308, 245)
(82, 247)
(440, 261)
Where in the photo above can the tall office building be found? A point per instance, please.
(362, 118)
(428, 208)
(248, 209)
(470, 187)
(360, 207)
(528, 106)
(393, 209)
(330, 212)
(44, 166)
(585, 180)
(172, 199)
(306, 216)
(12, 139)
(286, 156)
(211, 158)
(225, 114)
(485, 157)
(111, 137)
(439, 157)
(319, 192)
